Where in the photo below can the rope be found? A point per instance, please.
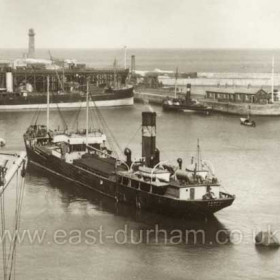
(76, 117)
(10, 260)
(35, 114)
(3, 226)
(114, 141)
(61, 115)
(17, 225)
(133, 136)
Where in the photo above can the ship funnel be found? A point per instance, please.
(188, 93)
(149, 150)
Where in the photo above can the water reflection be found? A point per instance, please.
(138, 226)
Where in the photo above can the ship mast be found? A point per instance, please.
(115, 73)
(176, 77)
(272, 81)
(125, 48)
(87, 101)
(48, 103)
(198, 155)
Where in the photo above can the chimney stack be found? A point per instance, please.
(149, 150)
(31, 43)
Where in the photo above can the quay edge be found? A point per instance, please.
(243, 108)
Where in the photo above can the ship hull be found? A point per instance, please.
(108, 186)
(186, 108)
(12, 102)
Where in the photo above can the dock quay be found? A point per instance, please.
(157, 95)
(13, 79)
(146, 96)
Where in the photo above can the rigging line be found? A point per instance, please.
(78, 115)
(75, 118)
(17, 199)
(16, 218)
(95, 117)
(114, 142)
(38, 115)
(2, 207)
(16, 213)
(133, 136)
(35, 114)
(18, 225)
(109, 130)
(60, 114)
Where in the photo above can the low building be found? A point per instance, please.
(241, 96)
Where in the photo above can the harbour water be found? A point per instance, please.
(85, 236)
(246, 161)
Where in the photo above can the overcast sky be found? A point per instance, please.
(141, 23)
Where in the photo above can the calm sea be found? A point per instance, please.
(187, 60)
(89, 237)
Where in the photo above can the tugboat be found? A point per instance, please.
(186, 104)
(147, 184)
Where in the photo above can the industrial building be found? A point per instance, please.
(30, 73)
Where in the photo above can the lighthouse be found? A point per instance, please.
(31, 44)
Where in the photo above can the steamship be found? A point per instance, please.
(84, 158)
(24, 98)
(186, 104)
(32, 101)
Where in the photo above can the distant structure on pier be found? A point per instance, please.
(133, 66)
(31, 43)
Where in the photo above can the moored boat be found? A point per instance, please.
(66, 100)
(186, 104)
(247, 122)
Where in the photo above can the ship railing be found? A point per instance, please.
(105, 153)
(225, 195)
(156, 166)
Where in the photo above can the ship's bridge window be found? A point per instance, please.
(120, 180)
(145, 187)
(134, 184)
(125, 181)
(78, 148)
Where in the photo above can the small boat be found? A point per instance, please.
(2, 142)
(247, 122)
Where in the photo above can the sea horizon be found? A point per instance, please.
(186, 59)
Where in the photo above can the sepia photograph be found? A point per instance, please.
(139, 139)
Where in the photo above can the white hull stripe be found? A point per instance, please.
(69, 105)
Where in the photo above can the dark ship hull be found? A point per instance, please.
(187, 107)
(106, 182)
(99, 98)
(186, 104)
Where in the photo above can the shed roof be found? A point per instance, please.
(235, 91)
